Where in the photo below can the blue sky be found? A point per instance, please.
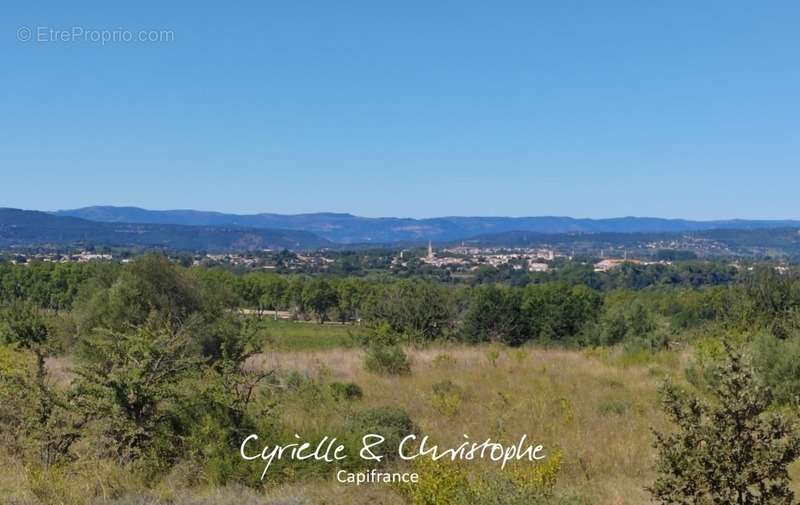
(588, 109)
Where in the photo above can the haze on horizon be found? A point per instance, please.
(416, 110)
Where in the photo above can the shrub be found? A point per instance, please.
(439, 482)
(445, 482)
(778, 364)
(732, 451)
(447, 398)
(387, 359)
(130, 386)
(444, 361)
(392, 423)
(612, 407)
(346, 391)
(540, 478)
(492, 355)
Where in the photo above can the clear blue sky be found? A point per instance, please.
(588, 109)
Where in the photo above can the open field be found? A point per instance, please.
(286, 335)
(594, 409)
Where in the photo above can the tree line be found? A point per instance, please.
(565, 307)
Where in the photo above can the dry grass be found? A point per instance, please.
(595, 408)
(59, 371)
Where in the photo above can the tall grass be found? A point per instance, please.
(595, 409)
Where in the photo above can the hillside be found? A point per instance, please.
(775, 242)
(23, 228)
(347, 228)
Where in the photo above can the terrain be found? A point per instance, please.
(350, 229)
(24, 228)
(193, 231)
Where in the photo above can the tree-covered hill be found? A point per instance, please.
(23, 228)
(347, 228)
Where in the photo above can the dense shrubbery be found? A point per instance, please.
(157, 360)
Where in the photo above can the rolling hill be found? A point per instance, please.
(25, 228)
(350, 229)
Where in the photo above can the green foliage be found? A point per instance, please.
(557, 311)
(148, 289)
(53, 286)
(440, 482)
(731, 451)
(420, 310)
(36, 422)
(130, 385)
(383, 352)
(771, 300)
(778, 364)
(387, 359)
(392, 423)
(319, 296)
(23, 323)
(447, 398)
(346, 391)
(446, 482)
(632, 323)
(615, 407)
(494, 314)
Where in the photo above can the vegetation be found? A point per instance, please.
(732, 452)
(138, 381)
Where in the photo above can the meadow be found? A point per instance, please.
(593, 408)
(286, 335)
(136, 385)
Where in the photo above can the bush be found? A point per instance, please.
(444, 482)
(731, 451)
(439, 482)
(346, 391)
(392, 423)
(387, 359)
(778, 364)
(444, 361)
(612, 407)
(447, 398)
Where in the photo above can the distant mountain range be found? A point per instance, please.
(350, 229)
(189, 230)
(24, 228)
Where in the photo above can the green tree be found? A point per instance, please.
(130, 384)
(419, 310)
(23, 324)
(350, 294)
(274, 293)
(319, 296)
(732, 451)
(555, 311)
(494, 314)
(149, 288)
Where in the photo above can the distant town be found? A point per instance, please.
(462, 260)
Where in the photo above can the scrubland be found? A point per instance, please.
(596, 408)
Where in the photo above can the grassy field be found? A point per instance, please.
(596, 408)
(286, 335)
